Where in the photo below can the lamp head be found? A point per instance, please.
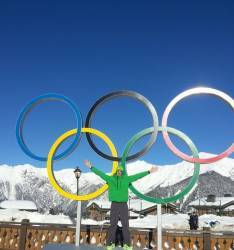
(77, 172)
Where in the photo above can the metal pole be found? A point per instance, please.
(159, 227)
(78, 219)
(77, 185)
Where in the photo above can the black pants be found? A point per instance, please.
(119, 210)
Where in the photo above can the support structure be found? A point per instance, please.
(78, 222)
(159, 227)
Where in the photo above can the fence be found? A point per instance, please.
(33, 236)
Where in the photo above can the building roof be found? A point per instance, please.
(101, 204)
(219, 201)
(229, 208)
(136, 205)
(18, 204)
(132, 214)
(139, 205)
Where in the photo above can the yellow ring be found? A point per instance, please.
(50, 171)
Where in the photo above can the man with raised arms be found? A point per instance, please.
(118, 195)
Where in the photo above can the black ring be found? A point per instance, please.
(110, 96)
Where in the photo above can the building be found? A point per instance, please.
(144, 208)
(214, 205)
(100, 210)
(228, 211)
(21, 205)
(97, 210)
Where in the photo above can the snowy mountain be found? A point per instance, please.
(31, 183)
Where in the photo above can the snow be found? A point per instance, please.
(180, 221)
(18, 204)
(169, 221)
(219, 201)
(35, 217)
(171, 174)
(166, 175)
(226, 222)
(94, 222)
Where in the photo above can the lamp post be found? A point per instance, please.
(77, 173)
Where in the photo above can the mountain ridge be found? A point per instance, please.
(31, 183)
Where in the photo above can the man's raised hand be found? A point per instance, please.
(87, 163)
(153, 169)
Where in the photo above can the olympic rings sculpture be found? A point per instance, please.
(133, 95)
(172, 104)
(153, 131)
(192, 181)
(28, 108)
(56, 146)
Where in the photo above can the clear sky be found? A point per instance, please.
(85, 49)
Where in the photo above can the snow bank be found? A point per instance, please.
(18, 204)
(169, 221)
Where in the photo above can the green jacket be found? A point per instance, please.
(118, 185)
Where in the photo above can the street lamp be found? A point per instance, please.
(77, 173)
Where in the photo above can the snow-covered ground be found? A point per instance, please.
(180, 221)
(169, 221)
(35, 217)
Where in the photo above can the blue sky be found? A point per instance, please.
(87, 49)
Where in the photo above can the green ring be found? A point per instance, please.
(192, 181)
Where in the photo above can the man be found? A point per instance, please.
(118, 195)
(191, 222)
(195, 221)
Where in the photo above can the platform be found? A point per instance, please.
(52, 246)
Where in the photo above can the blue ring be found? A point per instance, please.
(28, 108)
